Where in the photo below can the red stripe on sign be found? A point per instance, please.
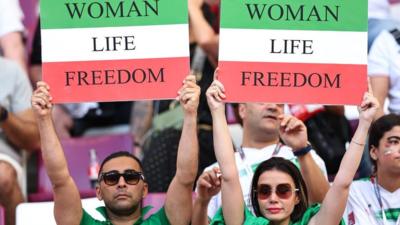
(293, 82)
(117, 80)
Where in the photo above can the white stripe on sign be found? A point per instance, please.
(92, 44)
(294, 46)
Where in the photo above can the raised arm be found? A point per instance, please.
(232, 197)
(294, 133)
(178, 205)
(203, 33)
(67, 203)
(334, 203)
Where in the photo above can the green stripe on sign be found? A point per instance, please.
(56, 14)
(338, 15)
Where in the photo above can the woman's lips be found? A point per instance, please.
(274, 210)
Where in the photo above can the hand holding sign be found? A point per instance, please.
(368, 107)
(215, 94)
(42, 101)
(189, 95)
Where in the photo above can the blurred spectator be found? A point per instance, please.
(376, 200)
(159, 147)
(384, 69)
(18, 132)
(11, 32)
(379, 19)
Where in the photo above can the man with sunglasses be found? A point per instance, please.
(122, 185)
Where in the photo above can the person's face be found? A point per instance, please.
(261, 116)
(122, 198)
(387, 154)
(277, 195)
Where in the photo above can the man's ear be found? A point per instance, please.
(98, 193)
(145, 190)
(242, 110)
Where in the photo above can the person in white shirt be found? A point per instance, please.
(261, 141)
(384, 70)
(11, 32)
(379, 19)
(376, 200)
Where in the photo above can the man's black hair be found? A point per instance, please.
(120, 154)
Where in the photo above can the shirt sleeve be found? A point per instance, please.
(158, 218)
(379, 55)
(22, 91)
(320, 162)
(11, 17)
(355, 212)
(87, 219)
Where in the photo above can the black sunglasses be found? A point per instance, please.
(283, 191)
(131, 177)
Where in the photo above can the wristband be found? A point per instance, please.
(3, 115)
(302, 151)
(357, 143)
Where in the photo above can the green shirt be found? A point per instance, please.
(250, 219)
(158, 218)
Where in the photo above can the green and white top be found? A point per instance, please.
(363, 206)
(158, 218)
(250, 219)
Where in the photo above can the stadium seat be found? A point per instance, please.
(41, 213)
(77, 154)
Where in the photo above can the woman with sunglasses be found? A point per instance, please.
(278, 191)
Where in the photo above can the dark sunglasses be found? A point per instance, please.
(131, 177)
(283, 191)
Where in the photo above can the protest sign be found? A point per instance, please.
(305, 51)
(98, 50)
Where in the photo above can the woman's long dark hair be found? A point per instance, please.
(283, 165)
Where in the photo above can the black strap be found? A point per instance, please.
(396, 35)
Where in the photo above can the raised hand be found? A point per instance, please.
(209, 184)
(215, 94)
(41, 100)
(189, 95)
(369, 106)
(293, 132)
